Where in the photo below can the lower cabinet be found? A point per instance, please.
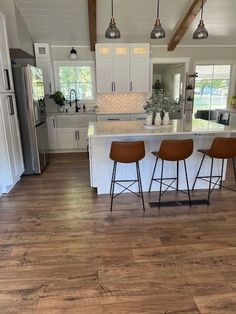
(72, 139)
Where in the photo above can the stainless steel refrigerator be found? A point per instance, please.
(30, 98)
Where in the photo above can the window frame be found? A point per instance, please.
(232, 78)
(57, 64)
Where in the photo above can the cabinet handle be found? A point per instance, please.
(11, 106)
(50, 88)
(131, 87)
(113, 119)
(76, 135)
(6, 71)
(53, 121)
(114, 86)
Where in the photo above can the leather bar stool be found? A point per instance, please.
(221, 148)
(172, 150)
(126, 152)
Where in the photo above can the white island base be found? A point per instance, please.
(101, 134)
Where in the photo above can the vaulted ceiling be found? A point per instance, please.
(65, 22)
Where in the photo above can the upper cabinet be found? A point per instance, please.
(122, 68)
(139, 67)
(44, 62)
(6, 83)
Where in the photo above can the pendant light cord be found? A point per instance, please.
(202, 11)
(111, 8)
(158, 9)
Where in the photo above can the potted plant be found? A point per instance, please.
(162, 104)
(59, 99)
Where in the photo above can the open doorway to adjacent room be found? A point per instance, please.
(168, 76)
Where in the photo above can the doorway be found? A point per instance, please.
(168, 76)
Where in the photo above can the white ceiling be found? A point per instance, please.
(65, 22)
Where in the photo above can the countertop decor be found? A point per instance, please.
(160, 102)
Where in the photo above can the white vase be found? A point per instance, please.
(149, 119)
(166, 119)
(158, 118)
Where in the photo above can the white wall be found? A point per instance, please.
(18, 34)
(61, 53)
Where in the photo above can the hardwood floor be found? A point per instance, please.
(62, 251)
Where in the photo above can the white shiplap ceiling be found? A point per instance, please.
(65, 22)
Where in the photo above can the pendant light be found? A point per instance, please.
(200, 32)
(73, 54)
(158, 32)
(112, 31)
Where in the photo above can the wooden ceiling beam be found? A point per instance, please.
(92, 23)
(185, 23)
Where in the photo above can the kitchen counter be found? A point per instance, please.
(137, 128)
(101, 134)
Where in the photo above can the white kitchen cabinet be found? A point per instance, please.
(52, 133)
(72, 139)
(67, 138)
(44, 62)
(122, 68)
(112, 68)
(11, 160)
(6, 82)
(139, 68)
(68, 132)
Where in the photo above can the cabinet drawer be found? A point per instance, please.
(138, 116)
(112, 117)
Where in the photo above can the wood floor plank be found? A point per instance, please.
(62, 251)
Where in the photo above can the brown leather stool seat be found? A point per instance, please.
(126, 152)
(221, 148)
(172, 150)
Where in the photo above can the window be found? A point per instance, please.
(78, 76)
(211, 87)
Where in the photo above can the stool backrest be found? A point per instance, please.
(175, 150)
(127, 152)
(223, 147)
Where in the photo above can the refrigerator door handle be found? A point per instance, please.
(11, 105)
(6, 71)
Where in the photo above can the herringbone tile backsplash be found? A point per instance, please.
(119, 103)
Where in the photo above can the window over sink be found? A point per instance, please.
(78, 75)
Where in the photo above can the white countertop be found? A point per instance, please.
(124, 128)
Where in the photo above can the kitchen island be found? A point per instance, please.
(101, 134)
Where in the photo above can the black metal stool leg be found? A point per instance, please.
(209, 189)
(160, 191)
(153, 173)
(140, 183)
(177, 180)
(186, 175)
(113, 184)
(112, 176)
(221, 174)
(234, 168)
(199, 169)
